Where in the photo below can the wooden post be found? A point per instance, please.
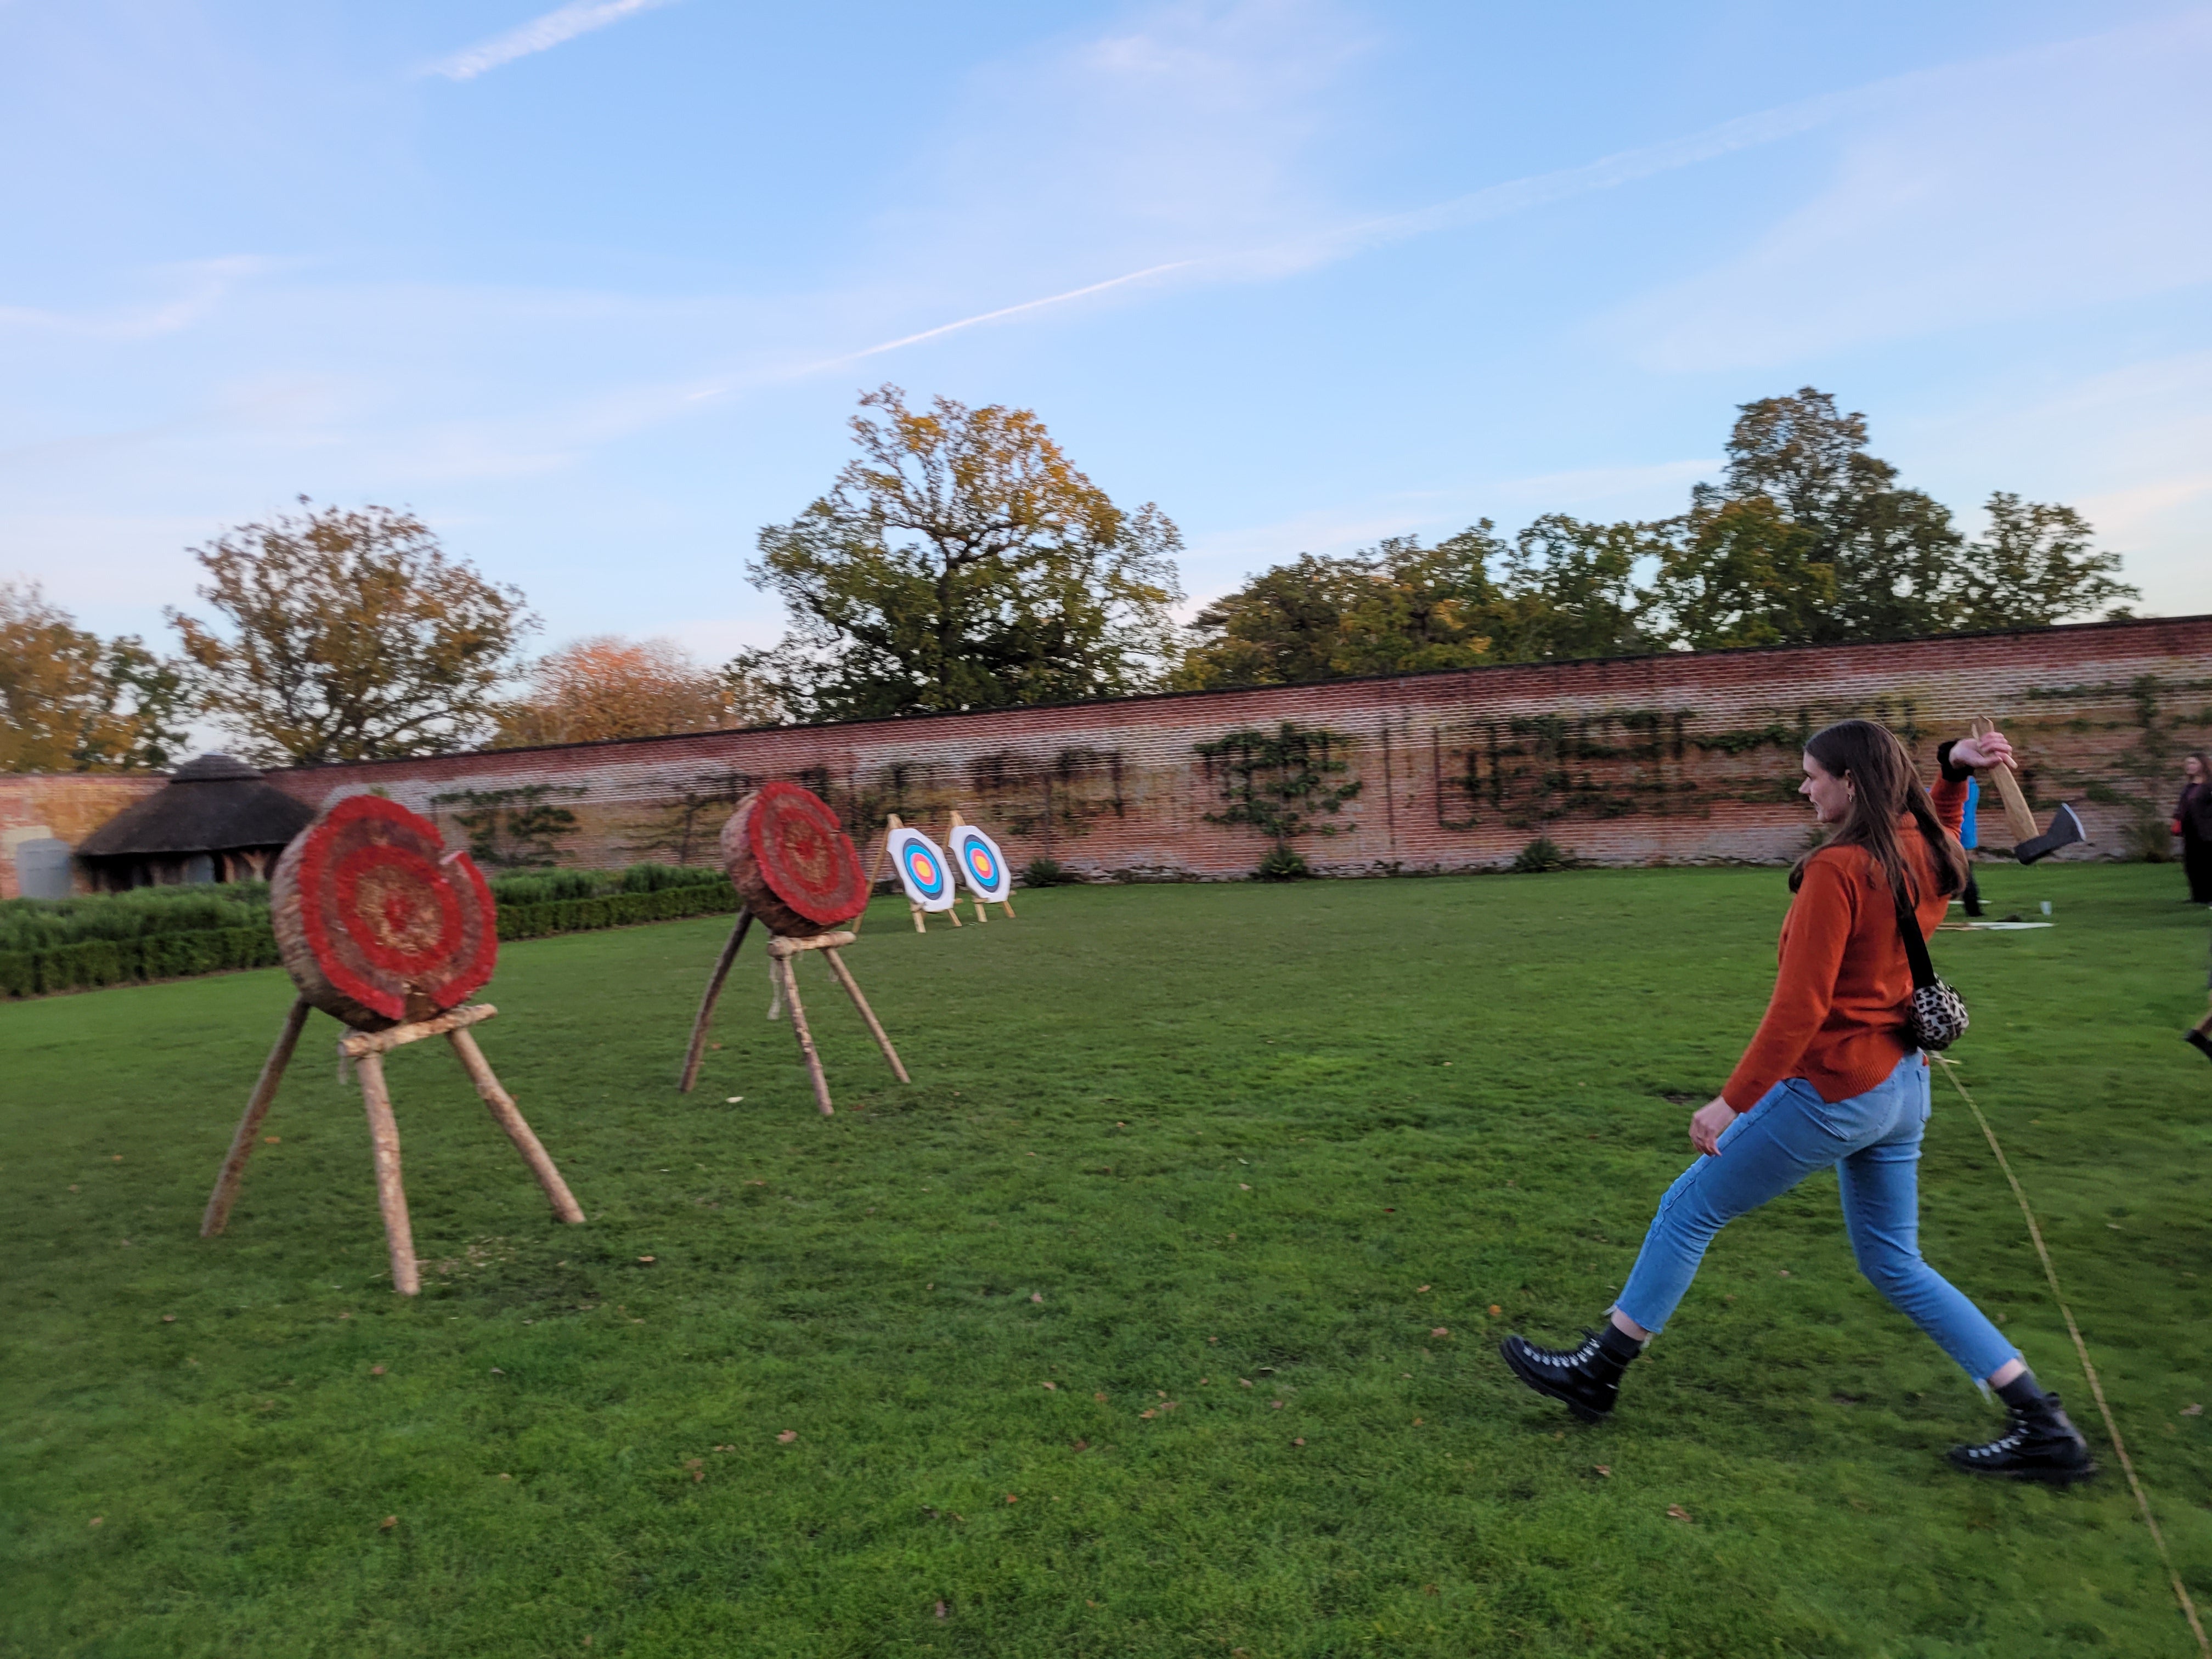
(875, 1026)
(805, 1038)
(391, 1195)
(509, 1117)
(257, 1108)
(698, 1049)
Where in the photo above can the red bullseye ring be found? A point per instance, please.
(791, 862)
(377, 922)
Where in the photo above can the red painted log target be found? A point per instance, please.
(791, 862)
(376, 921)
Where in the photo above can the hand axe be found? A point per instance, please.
(2029, 844)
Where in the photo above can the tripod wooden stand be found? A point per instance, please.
(365, 1051)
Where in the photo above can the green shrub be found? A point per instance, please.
(49, 924)
(615, 910)
(1049, 872)
(1541, 855)
(122, 961)
(1283, 863)
(544, 886)
(658, 877)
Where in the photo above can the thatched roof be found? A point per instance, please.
(212, 805)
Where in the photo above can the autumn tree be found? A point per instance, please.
(1560, 588)
(2037, 566)
(350, 635)
(72, 702)
(606, 686)
(961, 561)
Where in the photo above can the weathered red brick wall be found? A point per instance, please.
(1673, 759)
(63, 805)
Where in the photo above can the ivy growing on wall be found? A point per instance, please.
(1279, 782)
(515, 828)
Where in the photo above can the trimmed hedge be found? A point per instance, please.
(616, 910)
(217, 949)
(122, 961)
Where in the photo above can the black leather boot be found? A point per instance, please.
(1586, 1380)
(2040, 1443)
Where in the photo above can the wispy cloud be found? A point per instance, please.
(539, 34)
(201, 285)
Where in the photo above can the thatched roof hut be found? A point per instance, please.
(216, 820)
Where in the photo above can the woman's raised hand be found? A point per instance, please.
(1980, 753)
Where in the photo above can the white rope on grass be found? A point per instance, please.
(2082, 1349)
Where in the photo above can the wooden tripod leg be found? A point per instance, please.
(697, 1051)
(979, 917)
(805, 1038)
(875, 1026)
(919, 926)
(257, 1108)
(508, 1116)
(391, 1195)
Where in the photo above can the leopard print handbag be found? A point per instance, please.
(1936, 1016)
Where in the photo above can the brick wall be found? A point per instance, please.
(1675, 759)
(63, 805)
(1669, 759)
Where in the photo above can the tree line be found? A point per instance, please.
(960, 561)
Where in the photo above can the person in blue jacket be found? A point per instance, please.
(1968, 837)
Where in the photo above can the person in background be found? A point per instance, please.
(2192, 822)
(1969, 838)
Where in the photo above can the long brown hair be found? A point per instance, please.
(1884, 786)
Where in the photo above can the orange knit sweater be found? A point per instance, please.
(1837, 1018)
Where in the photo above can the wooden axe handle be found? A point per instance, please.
(2018, 818)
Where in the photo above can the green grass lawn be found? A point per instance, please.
(1163, 1143)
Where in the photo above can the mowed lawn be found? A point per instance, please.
(1157, 1317)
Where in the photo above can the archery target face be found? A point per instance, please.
(923, 869)
(981, 864)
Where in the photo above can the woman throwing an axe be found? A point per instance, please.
(1831, 1080)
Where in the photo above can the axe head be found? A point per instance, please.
(2065, 830)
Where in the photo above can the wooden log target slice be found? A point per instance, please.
(791, 862)
(377, 922)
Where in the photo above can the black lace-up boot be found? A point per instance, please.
(2040, 1441)
(1586, 1380)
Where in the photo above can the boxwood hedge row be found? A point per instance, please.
(216, 950)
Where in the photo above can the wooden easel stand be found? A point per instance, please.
(952, 824)
(782, 971)
(366, 1049)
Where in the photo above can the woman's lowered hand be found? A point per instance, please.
(1978, 754)
(1707, 1123)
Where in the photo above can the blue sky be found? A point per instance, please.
(593, 289)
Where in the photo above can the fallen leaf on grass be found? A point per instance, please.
(1148, 1413)
(1439, 1331)
(387, 1523)
(1602, 1468)
(1676, 1512)
(96, 1519)
(1298, 1442)
(646, 1260)
(1037, 1295)
(1012, 1498)
(1275, 1405)
(697, 1465)
(2192, 1411)
(1495, 1311)
(944, 1612)
(1243, 1186)
(733, 1100)
(506, 1477)
(1055, 1386)
(496, 1371)
(1244, 1382)
(787, 1436)
(168, 1318)
(273, 1139)
(1428, 1589)
(1419, 1289)
(1417, 1422)
(1079, 1445)
(1781, 1273)
(376, 1370)
(1099, 1397)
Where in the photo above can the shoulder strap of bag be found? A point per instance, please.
(1915, 947)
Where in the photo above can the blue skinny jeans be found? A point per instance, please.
(1873, 1142)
